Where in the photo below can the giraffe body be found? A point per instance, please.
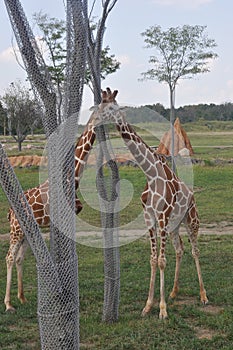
(167, 202)
(38, 199)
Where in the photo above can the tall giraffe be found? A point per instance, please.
(166, 200)
(38, 199)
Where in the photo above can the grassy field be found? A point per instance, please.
(189, 326)
(213, 186)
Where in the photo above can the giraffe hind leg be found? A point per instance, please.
(153, 264)
(10, 260)
(179, 249)
(192, 230)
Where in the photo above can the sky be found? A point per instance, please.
(126, 22)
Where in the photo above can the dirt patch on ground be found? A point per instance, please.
(204, 230)
(27, 161)
(34, 160)
(185, 301)
(212, 309)
(200, 332)
(208, 308)
(207, 333)
(204, 333)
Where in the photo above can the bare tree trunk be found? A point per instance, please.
(19, 145)
(109, 215)
(172, 121)
(4, 128)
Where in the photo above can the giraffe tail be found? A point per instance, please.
(9, 214)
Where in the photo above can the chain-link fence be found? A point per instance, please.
(58, 304)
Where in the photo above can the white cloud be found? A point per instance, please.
(230, 84)
(7, 55)
(184, 3)
(123, 59)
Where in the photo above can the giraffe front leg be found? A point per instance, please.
(153, 264)
(162, 304)
(162, 266)
(7, 300)
(19, 267)
(15, 243)
(179, 248)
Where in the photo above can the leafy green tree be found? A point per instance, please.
(53, 47)
(181, 52)
(53, 36)
(108, 63)
(22, 112)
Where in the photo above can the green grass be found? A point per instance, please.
(208, 143)
(132, 185)
(211, 139)
(213, 187)
(206, 126)
(187, 318)
(213, 145)
(214, 193)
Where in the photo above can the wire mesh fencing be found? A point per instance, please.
(58, 303)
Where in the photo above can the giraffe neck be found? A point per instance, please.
(150, 163)
(82, 149)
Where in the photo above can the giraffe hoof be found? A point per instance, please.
(204, 298)
(145, 312)
(163, 311)
(163, 315)
(174, 292)
(10, 309)
(23, 300)
(172, 296)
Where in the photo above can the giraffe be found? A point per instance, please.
(166, 201)
(38, 199)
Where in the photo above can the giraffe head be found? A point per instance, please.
(106, 110)
(108, 96)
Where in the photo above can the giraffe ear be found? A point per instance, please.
(115, 92)
(104, 96)
(109, 92)
(94, 108)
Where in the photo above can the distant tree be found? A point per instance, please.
(22, 112)
(159, 108)
(3, 119)
(226, 111)
(181, 53)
